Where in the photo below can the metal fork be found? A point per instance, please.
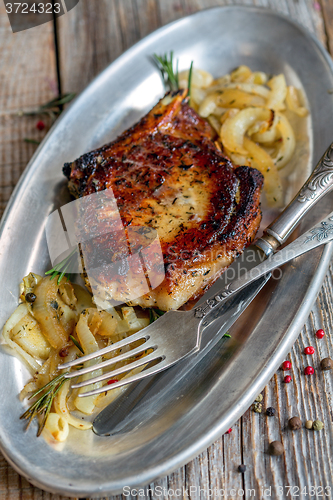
(177, 334)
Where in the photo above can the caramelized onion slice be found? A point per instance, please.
(241, 74)
(264, 163)
(251, 88)
(89, 345)
(234, 128)
(20, 312)
(60, 405)
(293, 102)
(200, 78)
(229, 98)
(45, 312)
(287, 141)
(57, 425)
(278, 93)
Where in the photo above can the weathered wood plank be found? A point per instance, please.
(148, 16)
(327, 11)
(90, 37)
(98, 33)
(25, 82)
(27, 79)
(172, 10)
(305, 12)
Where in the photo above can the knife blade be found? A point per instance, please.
(119, 415)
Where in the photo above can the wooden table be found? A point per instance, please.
(90, 37)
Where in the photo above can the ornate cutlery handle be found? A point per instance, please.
(319, 235)
(318, 184)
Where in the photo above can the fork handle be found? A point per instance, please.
(318, 235)
(317, 185)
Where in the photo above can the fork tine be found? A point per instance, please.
(112, 361)
(134, 378)
(110, 375)
(113, 347)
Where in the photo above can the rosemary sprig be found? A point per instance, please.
(154, 314)
(75, 342)
(58, 101)
(51, 108)
(31, 141)
(169, 75)
(44, 403)
(189, 82)
(60, 269)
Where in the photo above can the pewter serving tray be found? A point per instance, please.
(197, 401)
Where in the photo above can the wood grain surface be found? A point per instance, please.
(90, 37)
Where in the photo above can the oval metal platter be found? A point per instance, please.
(198, 400)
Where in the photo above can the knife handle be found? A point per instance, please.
(316, 236)
(318, 184)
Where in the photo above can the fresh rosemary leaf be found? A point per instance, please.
(189, 83)
(58, 101)
(154, 314)
(60, 269)
(159, 312)
(47, 386)
(151, 316)
(43, 404)
(169, 75)
(31, 141)
(75, 342)
(51, 108)
(46, 413)
(63, 273)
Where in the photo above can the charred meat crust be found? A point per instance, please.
(248, 207)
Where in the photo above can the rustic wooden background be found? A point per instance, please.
(91, 36)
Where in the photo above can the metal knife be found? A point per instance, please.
(119, 415)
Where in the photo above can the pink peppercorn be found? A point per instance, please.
(286, 365)
(308, 370)
(112, 381)
(40, 125)
(320, 334)
(287, 379)
(228, 431)
(309, 350)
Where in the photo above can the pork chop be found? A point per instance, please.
(167, 174)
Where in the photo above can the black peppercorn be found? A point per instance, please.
(242, 468)
(30, 297)
(270, 412)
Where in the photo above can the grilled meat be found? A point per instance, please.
(166, 174)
